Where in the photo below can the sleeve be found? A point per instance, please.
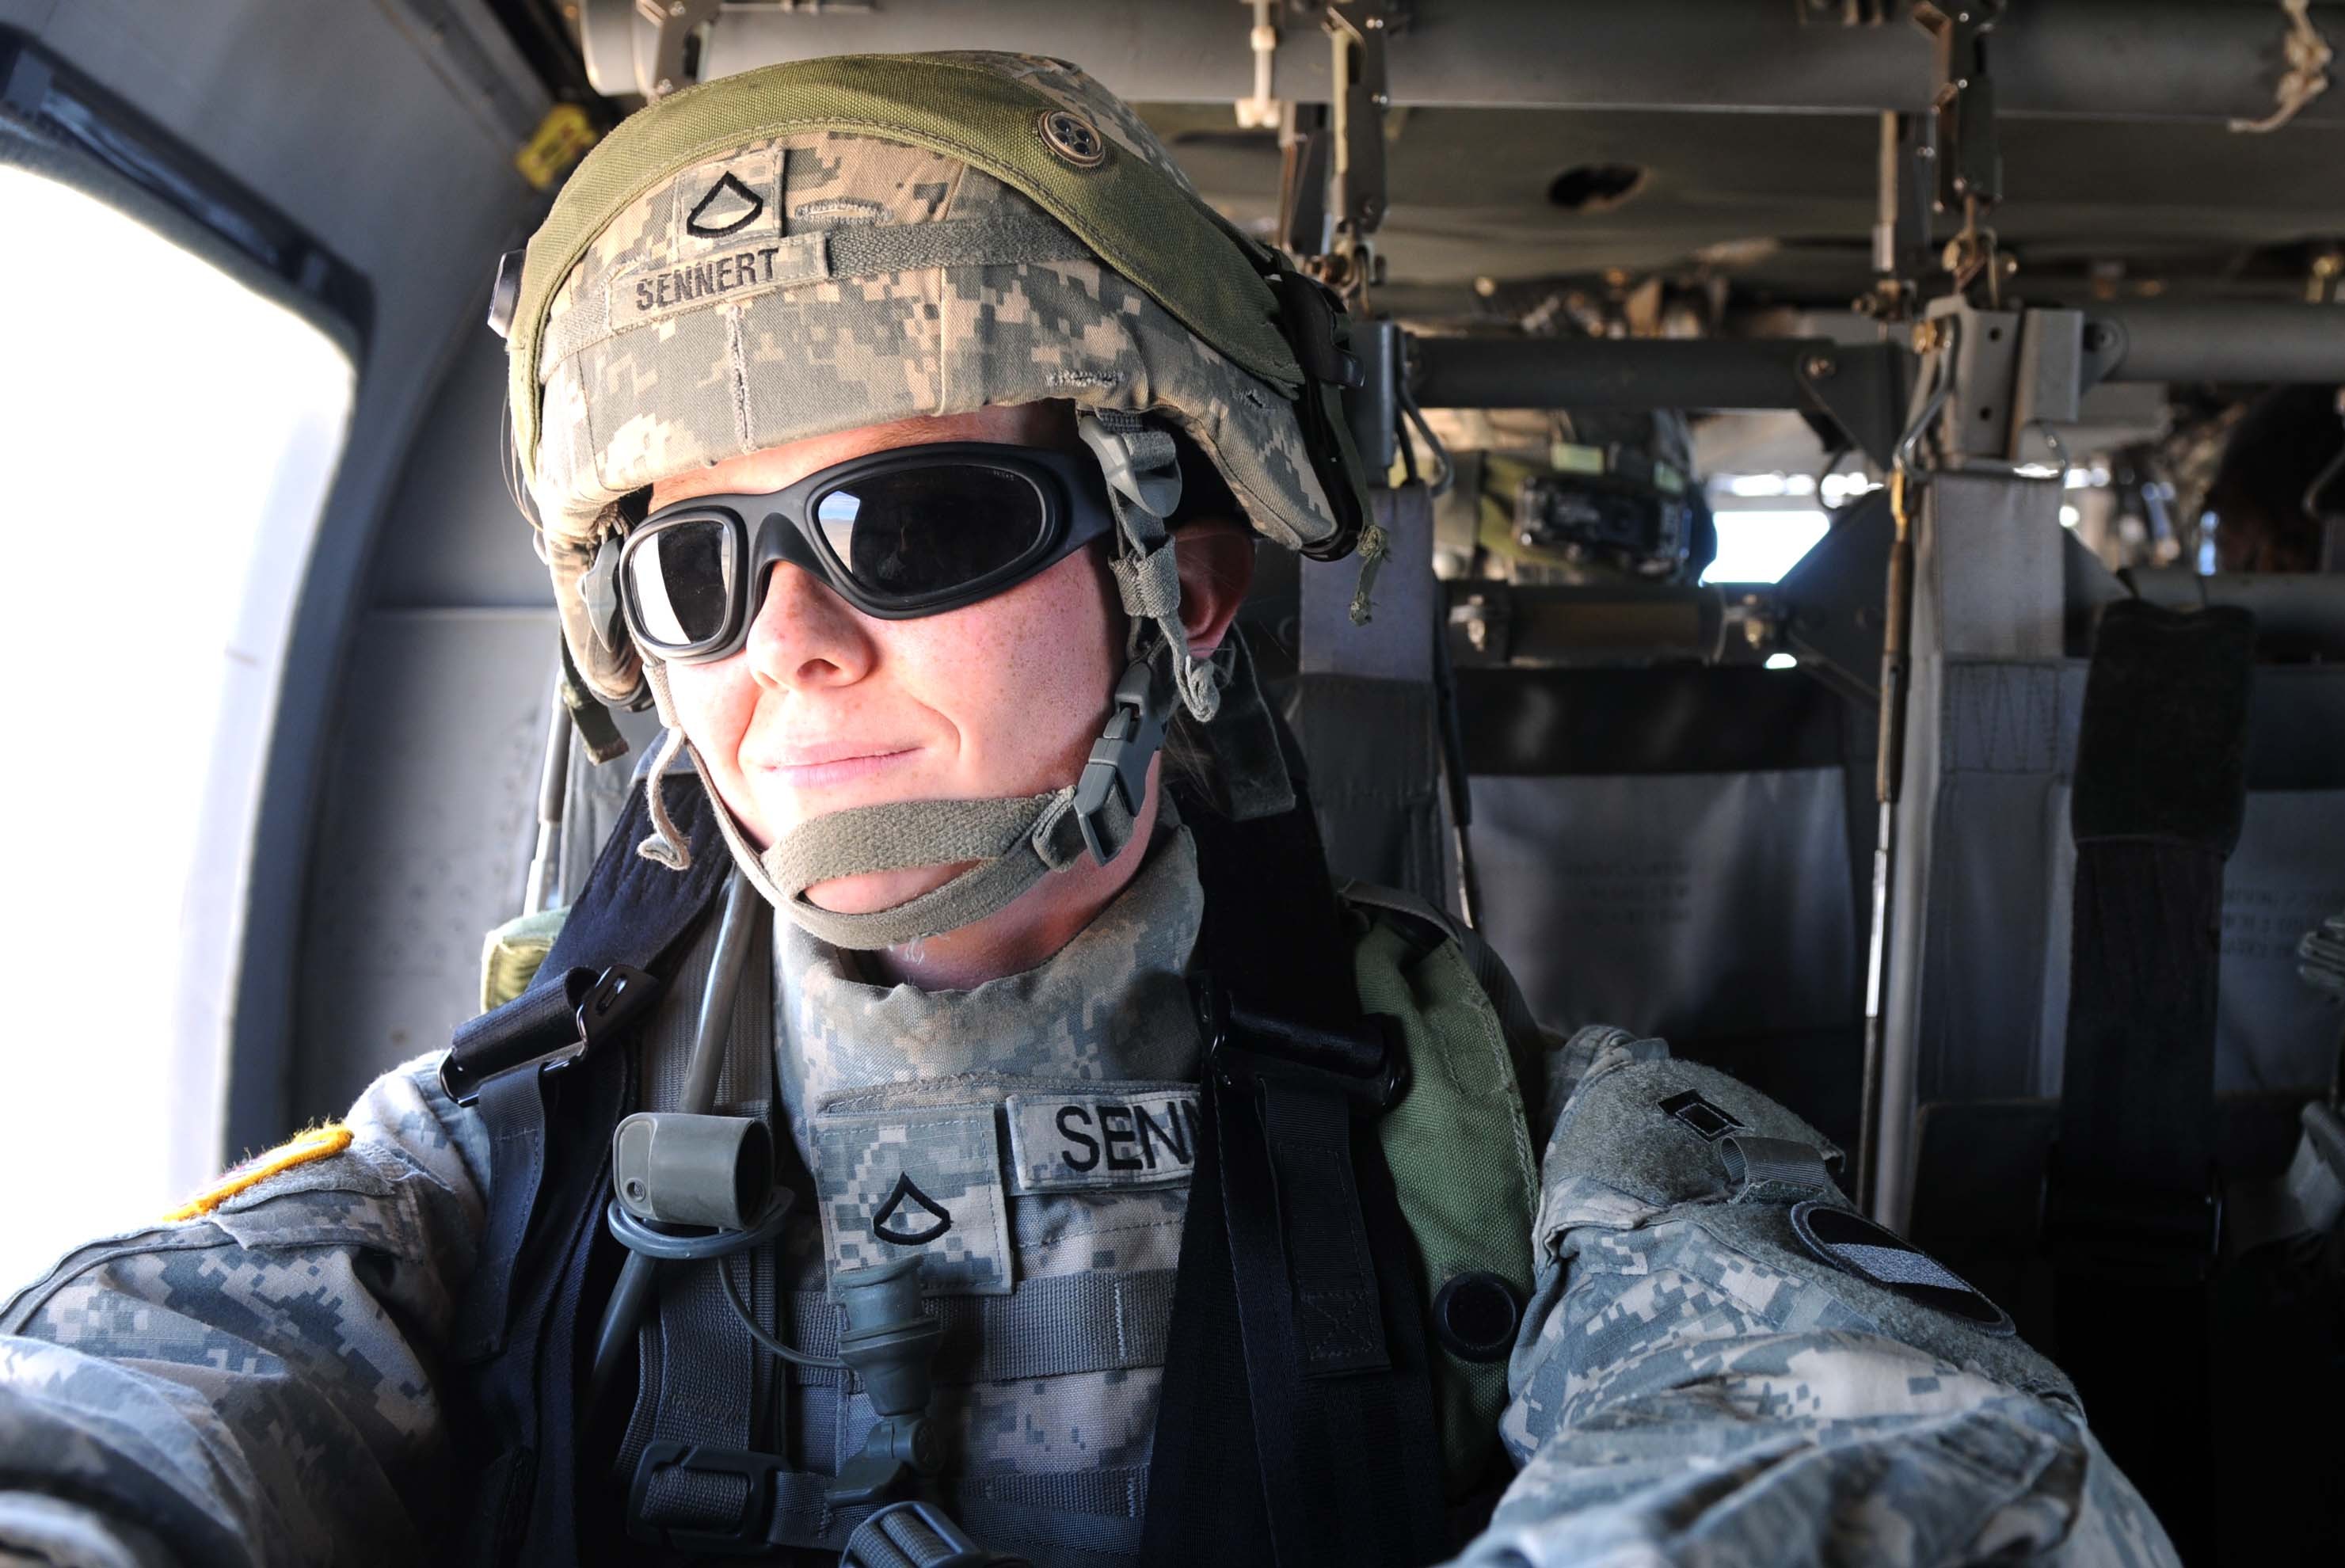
(259, 1384)
(1699, 1380)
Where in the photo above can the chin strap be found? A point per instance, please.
(1015, 842)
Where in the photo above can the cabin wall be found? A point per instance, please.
(388, 131)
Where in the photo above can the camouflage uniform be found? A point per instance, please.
(268, 1381)
(263, 1383)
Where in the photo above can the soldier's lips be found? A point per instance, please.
(823, 770)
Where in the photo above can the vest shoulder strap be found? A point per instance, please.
(1296, 1424)
(550, 1146)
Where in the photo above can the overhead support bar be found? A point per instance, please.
(1545, 626)
(2232, 341)
(2092, 59)
(1861, 388)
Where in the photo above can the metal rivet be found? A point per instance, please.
(1074, 139)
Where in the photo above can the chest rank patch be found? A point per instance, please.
(1847, 1240)
(1707, 1122)
(1085, 1142)
(896, 1182)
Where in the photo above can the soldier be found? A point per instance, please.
(897, 421)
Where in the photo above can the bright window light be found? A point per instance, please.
(1760, 546)
(167, 450)
(1838, 489)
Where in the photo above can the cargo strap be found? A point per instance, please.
(2130, 1207)
(1296, 1424)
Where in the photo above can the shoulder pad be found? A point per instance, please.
(1648, 1143)
(1638, 1135)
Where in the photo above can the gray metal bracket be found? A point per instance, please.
(1861, 390)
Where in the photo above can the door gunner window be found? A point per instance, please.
(167, 435)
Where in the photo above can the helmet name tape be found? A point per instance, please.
(658, 292)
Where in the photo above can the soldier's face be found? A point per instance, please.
(826, 708)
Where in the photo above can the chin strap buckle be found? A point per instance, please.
(1118, 767)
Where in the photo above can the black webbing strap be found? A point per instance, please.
(701, 1381)
(2159, 791)
(499, 1061)
(1296, 1423)
(518, 1383)
(2131, 1215)
(1068, 1519)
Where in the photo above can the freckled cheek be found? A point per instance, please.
(1022, 679)
(714, 703)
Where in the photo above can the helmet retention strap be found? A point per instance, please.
(1143, 485)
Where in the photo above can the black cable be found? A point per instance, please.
(788, 1352)
(646, 1239)
(1445, 472)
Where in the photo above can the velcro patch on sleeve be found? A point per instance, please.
(1849, 1241)
(1707, 1122)
(1087, 1142)
(300, 1149)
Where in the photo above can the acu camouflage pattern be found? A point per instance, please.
(814, 342)
(1690, 1385)
(864, 1065)
(261, 1384)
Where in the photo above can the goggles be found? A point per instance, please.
(915, 531)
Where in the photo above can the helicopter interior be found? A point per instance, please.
(1965, 305)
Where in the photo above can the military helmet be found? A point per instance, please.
(829, 244)
(832, 244)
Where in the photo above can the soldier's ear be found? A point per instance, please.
(1215, 555)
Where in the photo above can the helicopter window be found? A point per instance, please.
(175, 447)
(1759, 544)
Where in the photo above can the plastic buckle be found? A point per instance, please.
(598, 590)
(618, 997)
(1244, 1047)
(884, 1539)
(1120, 757)
(744, 1535)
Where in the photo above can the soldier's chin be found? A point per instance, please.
(867, 893)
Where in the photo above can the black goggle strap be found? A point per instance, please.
(1143, 486)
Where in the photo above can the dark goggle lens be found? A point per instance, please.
(922, 530)
(680, 582)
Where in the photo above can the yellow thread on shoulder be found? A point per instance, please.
(299, 1149)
